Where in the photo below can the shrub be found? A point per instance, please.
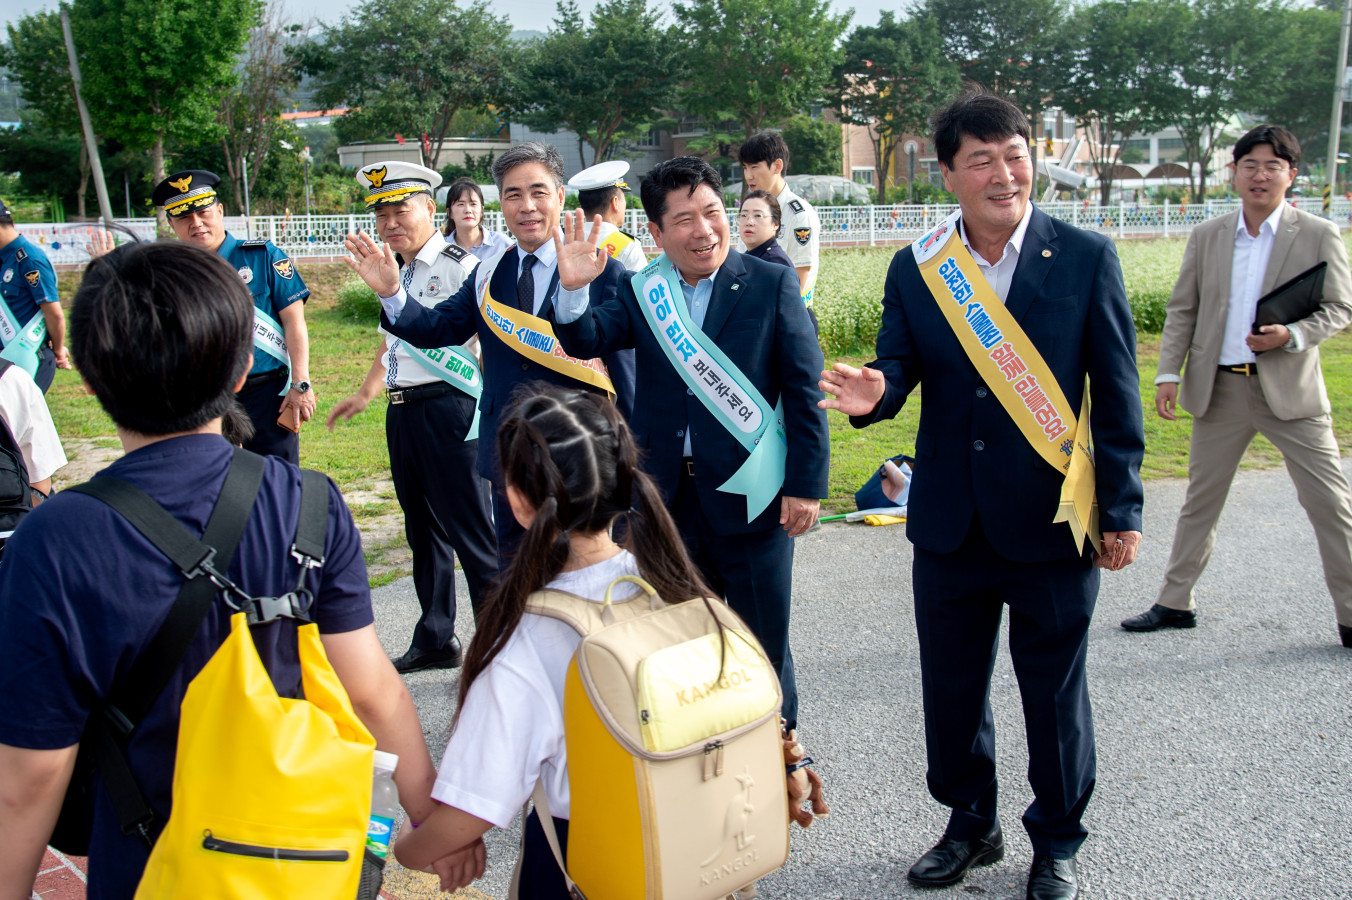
(357, 301)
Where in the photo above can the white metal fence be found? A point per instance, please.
(842, 226)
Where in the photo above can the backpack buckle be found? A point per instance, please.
(295, 605)
(306, 560)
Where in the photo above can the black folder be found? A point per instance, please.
(1293, 300)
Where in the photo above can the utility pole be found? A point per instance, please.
(1336, 122)
(101, 188)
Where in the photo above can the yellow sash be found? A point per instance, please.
(533, 338)
(615, 243)
(1015, 372)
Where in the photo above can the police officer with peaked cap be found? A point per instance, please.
(274, 388)
(601, 191)
(32, 326)
(431, 421)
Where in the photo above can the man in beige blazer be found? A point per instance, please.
(1239, 384)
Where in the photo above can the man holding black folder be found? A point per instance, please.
(1244, 380)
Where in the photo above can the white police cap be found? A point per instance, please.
(395, 181)
(602, 175)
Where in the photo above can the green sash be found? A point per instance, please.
(719, 385)
(458, 369)
(21, 344)
(270, 337)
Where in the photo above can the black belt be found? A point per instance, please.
(1246, 369)
(421, 392)
(270, 375)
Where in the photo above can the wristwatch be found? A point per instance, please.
(301, 387)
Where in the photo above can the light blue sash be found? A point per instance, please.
(21, 345)
(720, 386)
(458, 369)
(270, 337)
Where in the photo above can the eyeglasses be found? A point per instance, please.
(756, 217)
(1275, 168)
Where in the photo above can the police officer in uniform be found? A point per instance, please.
(273, 389)
(27, 288)
(765, 162)
(427, 423)
(601, 191)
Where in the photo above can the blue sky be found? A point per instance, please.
(524, 14)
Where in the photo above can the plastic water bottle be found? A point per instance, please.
(384, 805)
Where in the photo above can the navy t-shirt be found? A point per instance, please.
(82, 593)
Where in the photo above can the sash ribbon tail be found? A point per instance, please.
(760, 478)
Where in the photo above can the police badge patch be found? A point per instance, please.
(802, 235)
(284, 268)
(246, 274)
(433, 286)
(33, 278)
(8, 276)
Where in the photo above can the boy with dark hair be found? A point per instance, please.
(765, 163)
(162, 332)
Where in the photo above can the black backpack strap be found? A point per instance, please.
(134, 694)
(313, 527)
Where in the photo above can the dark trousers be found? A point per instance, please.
(509, 531)
(754, 573)
(46, 370)
(446, 508)
(959, 598)
(262, 400)
(541, 878)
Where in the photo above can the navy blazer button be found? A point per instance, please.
(978, 445)
(525, 367)
(981, 392)
(690, 392)
(681, 433)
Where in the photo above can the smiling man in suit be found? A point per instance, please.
(1240, 384)
(727, 368)
(1002, 312)
(509, 303)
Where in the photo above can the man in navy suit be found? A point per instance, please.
(525, 277)
(751, 311)
(980, 513)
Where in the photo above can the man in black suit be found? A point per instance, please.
(726, 327)
(981, 514)
(510, 305)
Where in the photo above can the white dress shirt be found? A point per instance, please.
(1000, 274)
(431, 278)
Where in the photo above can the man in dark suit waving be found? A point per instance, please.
(727, 364)
(1003, 325)
(509, 304)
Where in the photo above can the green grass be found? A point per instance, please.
(343, 340)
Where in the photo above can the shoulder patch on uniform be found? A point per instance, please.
(21, 256)
(796, 205)
(802, 235)
(33, 277)
(254, 245)
(284, 268)
(454, 252)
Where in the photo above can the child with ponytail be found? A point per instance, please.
(570, 466)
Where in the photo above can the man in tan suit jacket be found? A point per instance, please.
(1239, 384)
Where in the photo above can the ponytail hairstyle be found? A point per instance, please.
(574, 460)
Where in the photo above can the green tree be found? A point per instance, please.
(1303, 45)
(408, 66)
(893, 76)
(250, 117)
(755, 63)
(814, 146)
(155, 69)
(1119, 80)
(1010, 47)
(583, 78)
(36, 55)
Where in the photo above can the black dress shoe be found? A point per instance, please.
(1346, 634)
(1052, 879)
(947, 863)
(416, 660)
(1157, 617)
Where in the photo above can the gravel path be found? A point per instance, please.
(1225, 752)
